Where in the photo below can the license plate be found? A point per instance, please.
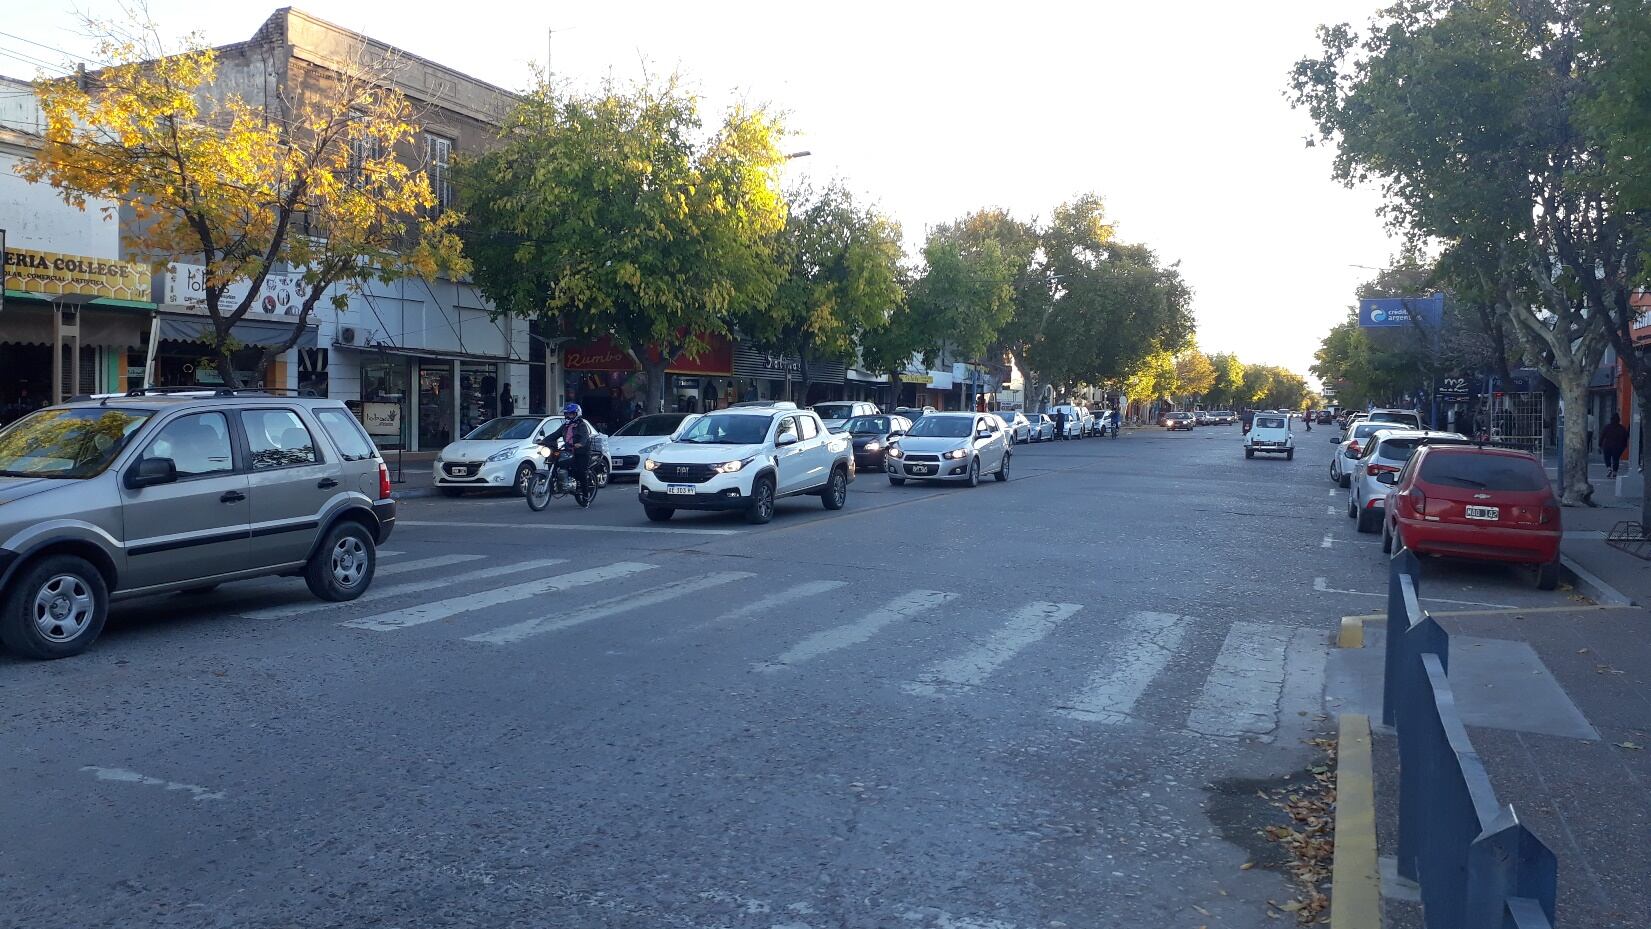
(1484, 512)
(460, 472)
(922, 469)
(685, 490)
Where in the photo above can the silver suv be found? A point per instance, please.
(163, 491)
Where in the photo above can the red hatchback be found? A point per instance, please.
(1463, 501)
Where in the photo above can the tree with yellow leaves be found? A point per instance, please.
(321, 182)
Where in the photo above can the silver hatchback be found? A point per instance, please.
(159, 492)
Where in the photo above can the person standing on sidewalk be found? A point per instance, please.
(1613, 441)
(1060, 424)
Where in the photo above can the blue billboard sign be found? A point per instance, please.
(1388, 312)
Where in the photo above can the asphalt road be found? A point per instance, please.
(1036, 704)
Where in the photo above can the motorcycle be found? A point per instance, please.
(554, 481)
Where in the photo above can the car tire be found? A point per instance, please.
(451, 491)
(55, 608)
(343, 564)
(1334, 477)
(1249, 453)
(658, 514)
(973, 480)
(1547, 575)
(897, 481)
(761, 508)
(836, 492)
(1290, 455)
(524, 479)
(1387, 537)
(1003, 469)
(1352, 508)
(1367, 524)
(1346, 480)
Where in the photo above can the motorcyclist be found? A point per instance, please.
(573, 441)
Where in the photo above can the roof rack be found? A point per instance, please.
(218, 391)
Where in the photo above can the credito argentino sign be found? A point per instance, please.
(53, 274)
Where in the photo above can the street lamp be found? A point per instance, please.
(802, 154)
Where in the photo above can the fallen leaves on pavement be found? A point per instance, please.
(1309, 838)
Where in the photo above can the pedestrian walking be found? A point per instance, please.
(1060, 424)
(507, 402)
(1613, 441)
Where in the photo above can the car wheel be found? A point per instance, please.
(897, 481)
(55, 609)
(1290, 455)
(658, 514)
(1387, 537)
(1367, 523)
(1249, 453)
(836, 492)
(1547, 575)
(1335, 478)
(451, 491)
(974, 473)
(343, 564)
(761, 509)
(524, 479)
(1352, 508)
(1003, 469)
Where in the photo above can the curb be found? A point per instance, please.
(1355, 881)
(1588, 583)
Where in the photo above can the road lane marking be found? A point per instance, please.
(605, 608)
(780, 598)
(398, 590)
(1331, 510)
(568, 527)
(453, 606)
(836, 638)
(124, 776)
(1149, 643)
(972, 668)
(439, 561)
(1334, 491)
(1241, 692)
(1328, 541)
(387, 553)
(1322, 585)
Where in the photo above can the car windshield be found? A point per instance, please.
(1366, 430)
(728, 429)
(1407, 418)
(75, 443)
(1179, 415)
(868, 425)
(505, 428)
(657, 424)
(833, 410)
(1269, 422)
(1483, 472)
(943, 427)
(1402, 449)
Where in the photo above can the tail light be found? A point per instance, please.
(1550, 514)
(383, 481)
(1353, 450)
(1376, 469)
(1418, 500)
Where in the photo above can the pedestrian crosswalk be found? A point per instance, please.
(1087, 664)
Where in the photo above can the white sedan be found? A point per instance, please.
(1020, 428)
(500, 454)
(630, 444)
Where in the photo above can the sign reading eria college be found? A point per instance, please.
(53, 274)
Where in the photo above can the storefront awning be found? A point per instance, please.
(179, 328)
(431, 353)
(27, 320)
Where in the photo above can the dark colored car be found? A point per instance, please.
(1324, 417)
(1486, 504)
(871, 435)
(1179, 420)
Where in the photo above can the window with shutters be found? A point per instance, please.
(438, 156)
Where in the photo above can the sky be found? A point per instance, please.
(1173, 112)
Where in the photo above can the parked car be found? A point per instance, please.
(745, 458)
(501, 454)
(1043, 427)
(1487, 504)
(1409, 419)
(1103, 423)
(1270, 434)
(837, 412)
(872, 436)
(159, 492)
(1179, 419)
(951, 447)
(914, 413)
(1020, 428)
(1350, 447)
(1386, 453)
(1325, 417)
(1201, 418)
(632, 442)
(1077, 419)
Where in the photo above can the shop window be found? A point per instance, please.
(278, 439)
(197, 444)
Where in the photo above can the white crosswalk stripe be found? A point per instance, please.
(1149, 642)
(972, 668)
(605, 608)
(467, 603)
(419, 564)
(388, 553)
(1241, 693)
(780, 598)
(830, 640)
(377, 593)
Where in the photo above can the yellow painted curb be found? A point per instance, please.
(1352, 632)
(1355, 884)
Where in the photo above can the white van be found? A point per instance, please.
(1270, 433)
(1077, 419)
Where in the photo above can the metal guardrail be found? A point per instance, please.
(1477, 864)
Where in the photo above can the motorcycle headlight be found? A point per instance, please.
(895, 452)
(501, 456)
(650, 464)
(957, 453)
(873, 446)
(729, 467)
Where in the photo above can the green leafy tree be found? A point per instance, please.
(618, 212)
(1194, 374)
(1229, 378)
(966, 290)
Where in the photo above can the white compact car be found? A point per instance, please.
(744, 458)
(631, 443)
(837, 412)
(1351, 446)
(1386, 452)
(1270, 434)
(500, 455)
(951, 447)
(1020, 428)
(1043, 428)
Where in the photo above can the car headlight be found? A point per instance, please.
(873, 446)
(957, 453)
(895, 452)
(650, 464)
(501, 456)
(729, 467)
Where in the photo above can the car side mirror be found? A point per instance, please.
(789, 438)
(897, 434)
(984, 434)
(151, 471)
(1387, 477)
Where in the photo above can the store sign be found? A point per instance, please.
(755, 363)
(604, 354)
(379, 419)
(54, 274)
(1389, 312)
(281, 296)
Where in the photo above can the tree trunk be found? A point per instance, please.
(226, 368)
(1573, 482)
(655, 372)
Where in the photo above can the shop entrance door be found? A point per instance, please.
(435, 405)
